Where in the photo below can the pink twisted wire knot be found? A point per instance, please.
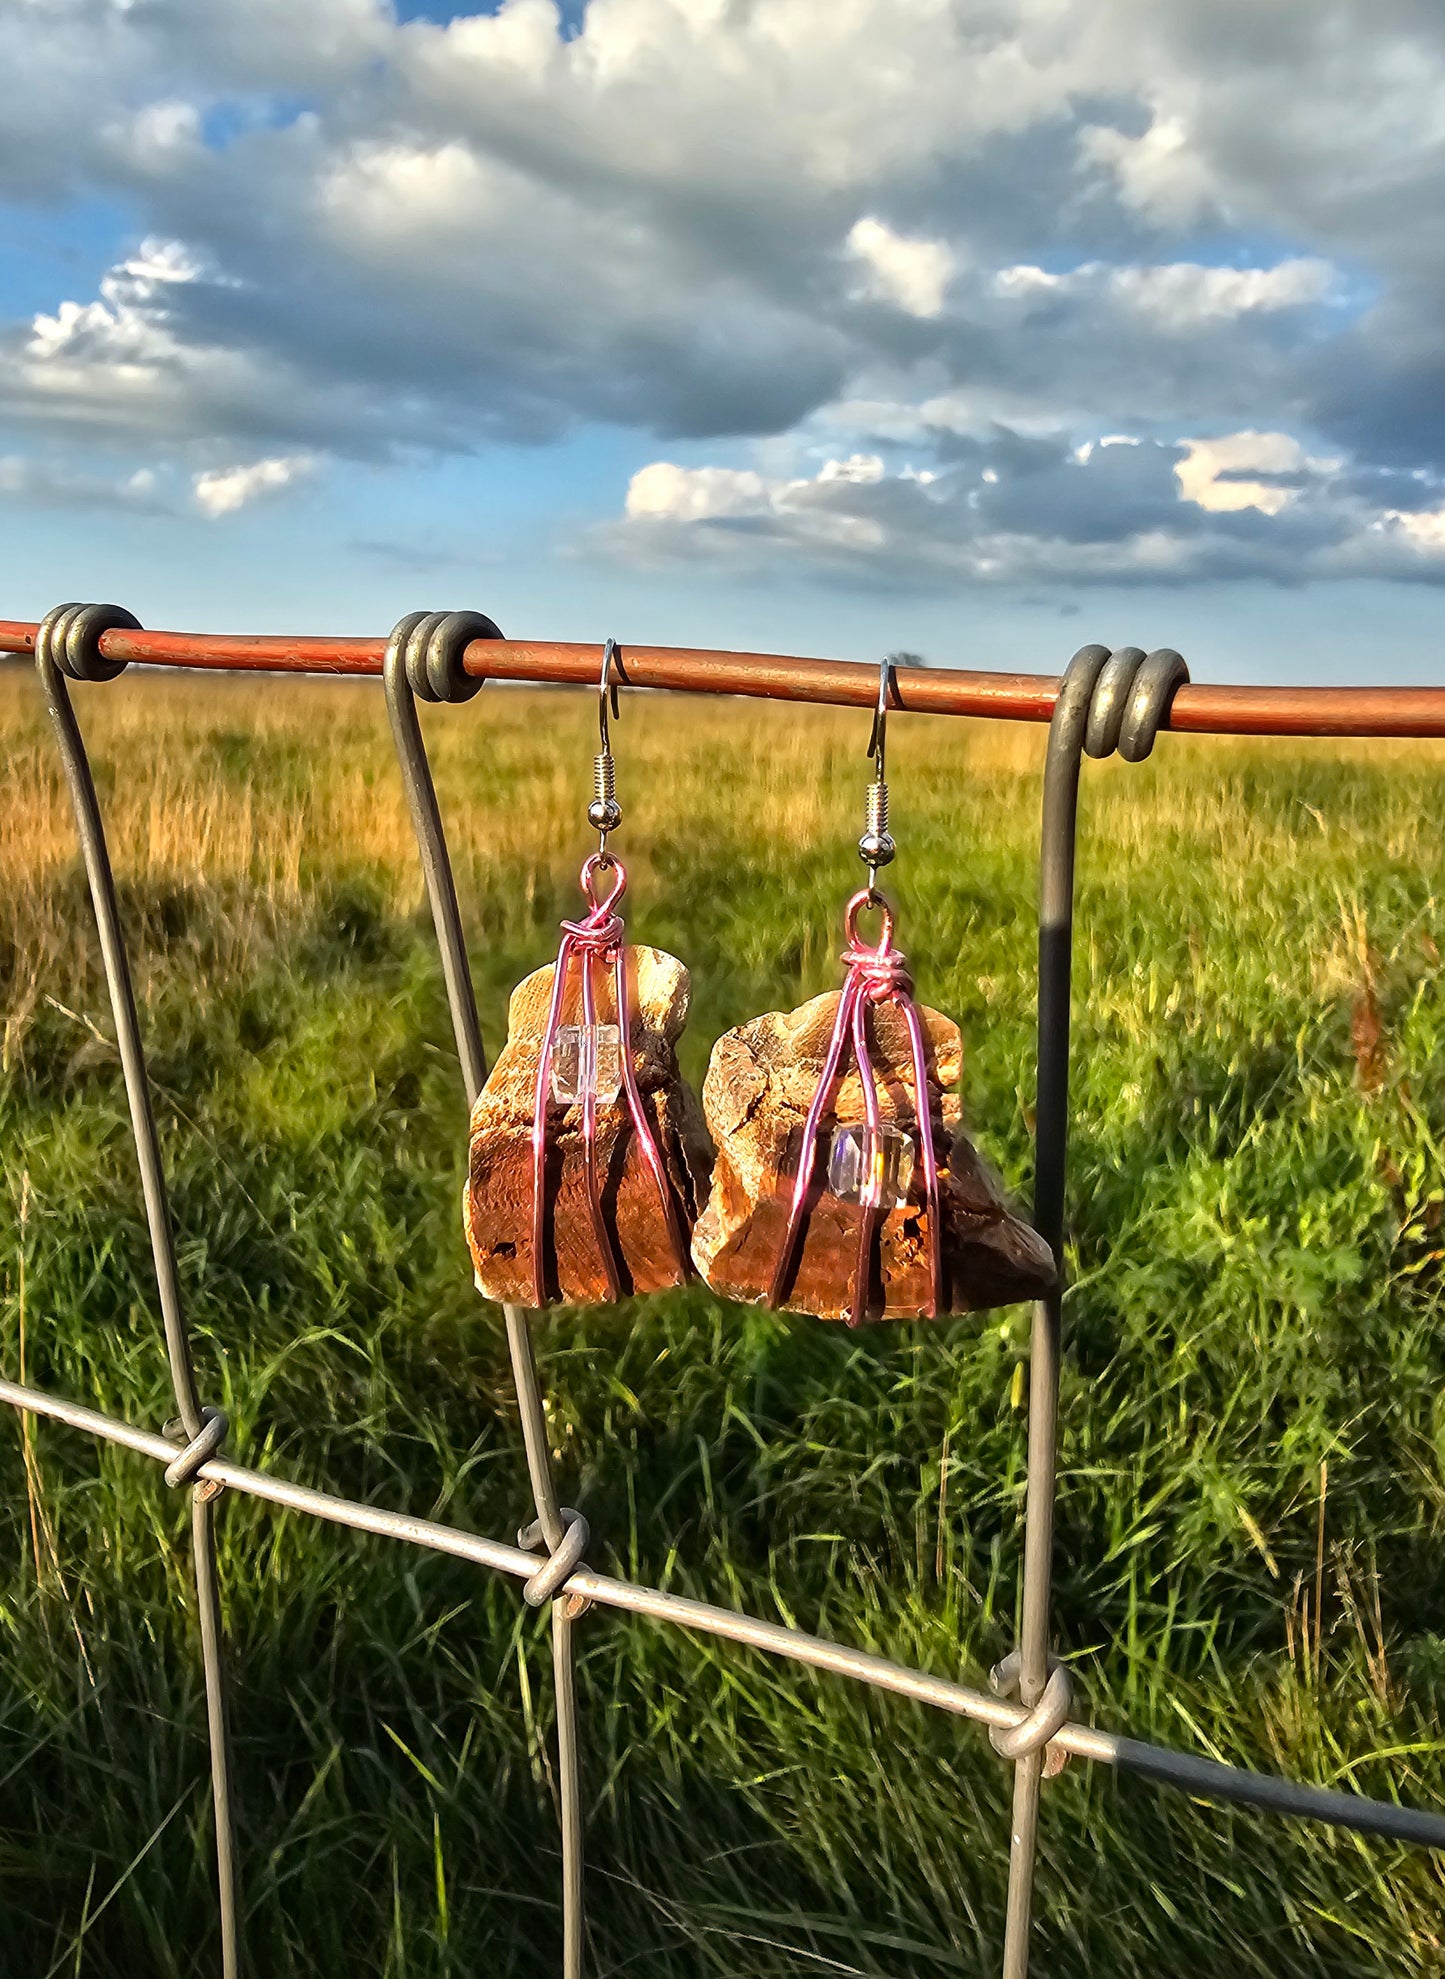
(872, 976)
(597, 939)
(882, 971)
(602, 930)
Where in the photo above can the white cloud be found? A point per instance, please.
(666, 502)
(1177, 295)
(1423, 529)
(1235, 455)
(128, 320)
(158, 137)
(388, 195)
(857, 468)
(1026, 280)
(914, 274)
(1184, 294)
(223, 490)
(662, 491)
(1161, 173)
(121, 365)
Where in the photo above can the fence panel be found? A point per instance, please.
(1104, 702)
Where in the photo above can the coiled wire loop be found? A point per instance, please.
(70, 635)
(1130, 698)
(430, 648)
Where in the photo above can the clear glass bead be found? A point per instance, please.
(862, 1169)
(586, 1057)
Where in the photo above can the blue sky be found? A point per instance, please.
(976, 327)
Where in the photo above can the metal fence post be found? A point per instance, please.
(425, 656)
(1106, 702)
(68, 643)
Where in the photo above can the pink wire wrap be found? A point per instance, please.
(873, 976)
(597, 938)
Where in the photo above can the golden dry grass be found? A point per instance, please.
(172, 752)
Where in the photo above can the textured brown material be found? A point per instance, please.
(498, 1195)
(756, 1096)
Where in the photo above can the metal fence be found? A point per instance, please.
(1104, 702)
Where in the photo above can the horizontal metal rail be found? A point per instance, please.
(1204, 1778)
(1197, 708)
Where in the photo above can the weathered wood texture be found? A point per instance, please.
(498, 1194)
(760, 1083)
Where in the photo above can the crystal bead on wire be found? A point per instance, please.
(586, 1057)
(862, 1168)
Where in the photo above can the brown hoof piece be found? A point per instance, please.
(497, 1201)
(759, 1085)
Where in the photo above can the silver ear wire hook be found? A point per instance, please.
(877, 740)
(876, 847)
(607, 690)
(604, 813)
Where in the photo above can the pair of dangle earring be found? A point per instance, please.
(837, 1179)
(842, 1182)
(588, 1154)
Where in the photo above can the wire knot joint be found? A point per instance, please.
(215, 1427)
(561, 1563)
(1047, 1716)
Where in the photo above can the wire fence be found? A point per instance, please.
(1105, 703)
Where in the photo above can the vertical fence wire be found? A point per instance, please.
(424, 656)
(68, 644)
(1107, 701)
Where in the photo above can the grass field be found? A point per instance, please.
(1252, 1509)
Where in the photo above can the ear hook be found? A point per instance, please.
(876, 847)
(604, 813)
(877, 740)
(607, 690)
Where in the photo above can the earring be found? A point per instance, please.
(901, 1219)
(588, 1152)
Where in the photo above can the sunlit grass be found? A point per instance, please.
(1251, 1510)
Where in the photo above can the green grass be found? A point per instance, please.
(1255, 1205)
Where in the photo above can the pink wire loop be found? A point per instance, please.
(873, 976)
(602, 862)
(598, 938)
(868, 896)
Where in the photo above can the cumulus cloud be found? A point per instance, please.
(120, 364)
(912, 274)
(1158, 171)
(1183, 293)
(1008, 508)
(1223, 473)
(665, 502)
(223, 490)
(930, 234)
(1179, 295)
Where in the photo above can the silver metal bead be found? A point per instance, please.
(604, 813)
(876, 847)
